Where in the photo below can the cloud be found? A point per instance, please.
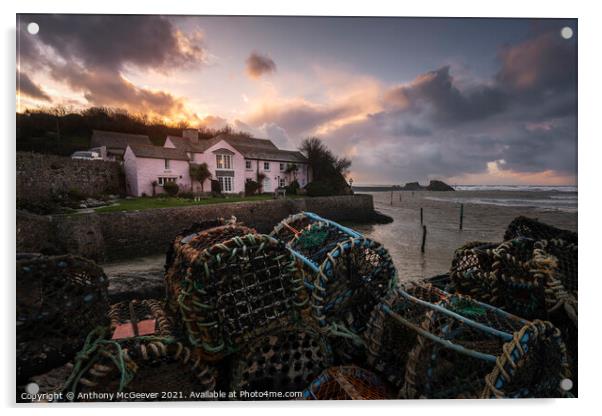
(91, 53)
(435, 91)
(259, 65)
(27, 87)
(438, 127)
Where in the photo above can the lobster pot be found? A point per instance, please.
(140, 353)
(535, 230)
(311, 235)
(471, 271)
(189, 244)
(59, 300)
(346, 383)
(150, 312)
(283, 361)
(239, 289)
(388, 342)
(454, 358)
(186, 235)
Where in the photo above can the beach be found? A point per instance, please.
(487, 213)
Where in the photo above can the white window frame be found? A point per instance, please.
(281, 182)
(282, 167)
(226, 183)
(162, 180)
(266, 166)
(248, 165)
(167, 164)
(223, 161)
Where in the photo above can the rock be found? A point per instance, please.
(412, 186)
(439, 186)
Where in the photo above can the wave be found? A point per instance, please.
(533, 188)
(557, 204)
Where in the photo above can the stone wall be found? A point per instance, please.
(120, 235)
(43, 177)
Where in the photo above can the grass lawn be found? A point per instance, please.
(142, 203)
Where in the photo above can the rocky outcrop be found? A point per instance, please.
(436, 186)
(439, 186)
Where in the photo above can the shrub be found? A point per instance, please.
(171, 188)
(251, 187)
(293, 188)
(216, 188)
(320, 188)
(186, 195)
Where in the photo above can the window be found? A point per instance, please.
(166, 163)
(248, 164)
(282, 182)
(225, 183)
(282, 167)
(223, 161)
(266, 165)
(163, 180)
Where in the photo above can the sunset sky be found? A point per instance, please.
(469, 101)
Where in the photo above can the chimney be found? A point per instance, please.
(191, 134)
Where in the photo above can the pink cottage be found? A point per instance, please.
(231, 160)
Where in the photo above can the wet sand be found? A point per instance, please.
(482, 222)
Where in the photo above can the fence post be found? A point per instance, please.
(461, 216)
(423, 238)
(421, 216)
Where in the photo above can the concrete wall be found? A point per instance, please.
(120, 235)
(43, 177)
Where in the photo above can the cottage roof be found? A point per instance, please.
(116, 140)
(263, 149)
(186, 145)
(157, 152)
(250, 148)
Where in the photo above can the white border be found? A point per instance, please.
(590, 153)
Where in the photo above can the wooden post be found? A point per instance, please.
(399, 196)
(461, 216)
(423, 238)
(421, 216)
(391, 197)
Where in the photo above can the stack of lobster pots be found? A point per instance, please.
(313, 310)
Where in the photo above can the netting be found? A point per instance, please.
(59, 300)
(346, 383)
(467, 349)
(146, 359)
(238, 289)
(186, 235)
(189, 244)
(283, 361)
(531, 228)
(347, 275)
(527, 277)
(389, 343)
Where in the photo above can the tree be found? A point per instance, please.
(327, 169)
(260, 177)
(200, 173)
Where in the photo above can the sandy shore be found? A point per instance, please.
(482, 222)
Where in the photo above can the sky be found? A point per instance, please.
(468, 101)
